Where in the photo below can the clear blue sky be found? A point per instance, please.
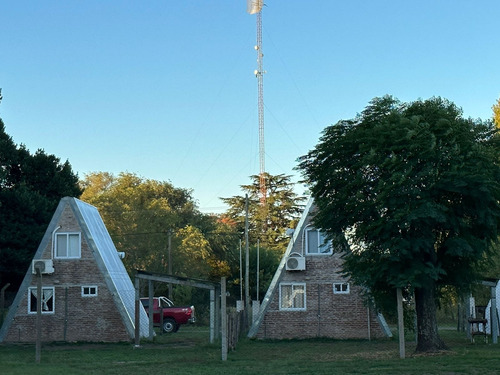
(165, 89)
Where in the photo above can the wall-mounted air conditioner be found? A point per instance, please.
(295, 263)
(45, 265)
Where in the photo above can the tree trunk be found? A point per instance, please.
(427, 329)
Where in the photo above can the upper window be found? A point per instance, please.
(48, 300)
(317, 243)
(292, 296)
(89, 291)
(68, 245)
(340, 288)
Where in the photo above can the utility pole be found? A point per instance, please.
(401, 324)
(39, 297)
(258, 268)
(247, 261)
(170, 262)
(241, 275)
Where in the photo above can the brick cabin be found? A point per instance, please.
(309, 296)
(87, 294)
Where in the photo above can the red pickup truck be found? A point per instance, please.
(173, 316)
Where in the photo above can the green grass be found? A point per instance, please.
(188, 352)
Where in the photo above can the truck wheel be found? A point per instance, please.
(169, 326)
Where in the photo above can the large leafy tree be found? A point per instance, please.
(268, 222)
(141, 215)
(496, 113)
(144, 216)
(31, 186)
(415, 188)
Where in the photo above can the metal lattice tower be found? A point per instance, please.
(255, 7)
(259, 73)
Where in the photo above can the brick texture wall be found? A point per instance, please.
(75, 318)
(340, 316)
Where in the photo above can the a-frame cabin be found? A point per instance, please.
(87, 294)
(310, 297)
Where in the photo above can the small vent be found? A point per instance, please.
(294, 263)
(45, 266)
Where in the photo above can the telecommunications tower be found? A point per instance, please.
(255, 7)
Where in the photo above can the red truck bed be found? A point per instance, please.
(173, 316)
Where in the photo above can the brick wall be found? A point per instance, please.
(327, 314)
(75, 318)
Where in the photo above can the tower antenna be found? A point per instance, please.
(255, 7)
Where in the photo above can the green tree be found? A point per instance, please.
(267, 222)
(31, 186)
(193, 253)
(496, 113)
(269, 261)
(142, 214)
(139, 214)
(415, 188)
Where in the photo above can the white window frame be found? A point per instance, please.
(344, 287)
(68, 234)
(320, 240)
(285, 308)
(87, 291)
(52, 291)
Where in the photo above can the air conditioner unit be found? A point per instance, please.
(294, 263)
(45, 265)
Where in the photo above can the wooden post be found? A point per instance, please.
(218, 316)
(369, 323)
(151, 308)
(212, 315)
(494, 316)
(170, 292)
(161, 320)
(137, 314)
(224, 318)
(2, 302)
(467, 315)
(401, 324)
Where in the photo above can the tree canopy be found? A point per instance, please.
(267, 222)
(415, 189)
(143, 215)
(31, 186)
(140, 214)
(496, 113)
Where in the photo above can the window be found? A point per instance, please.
(89, 291)
(317, 243)
(293, 296)
(68, 245)
(47, 300)
(340, 288)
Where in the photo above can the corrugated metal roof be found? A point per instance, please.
(114, 269)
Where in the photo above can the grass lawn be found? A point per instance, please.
(188, 352)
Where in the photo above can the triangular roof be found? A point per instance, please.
(106, 256)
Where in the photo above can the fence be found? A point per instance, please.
(235, 328)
